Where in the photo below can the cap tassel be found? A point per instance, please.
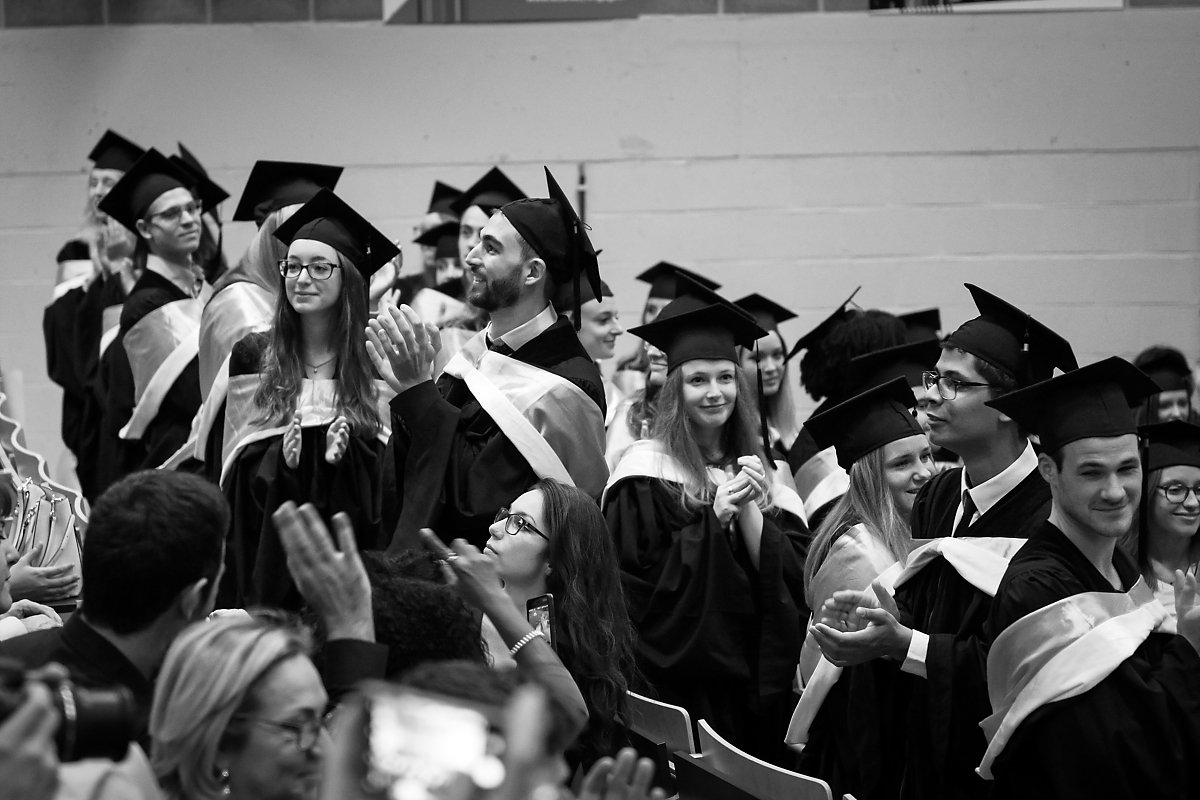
(762, 403)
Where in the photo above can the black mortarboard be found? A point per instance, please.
(686, 331)
(552, 228)
(866, 422)
(1170, 444)
(922, 325)
(664, 279)
(566, 296)
(275, 184)
(328, 218)
(767, 313)
(444, 237)
(1006, 337)
(1093, 401)
(152, 176)
(114, 151)
(906, 361)
(442, 198)
(490, 192)
(1166, 366)
(211, 195)
(822, 330)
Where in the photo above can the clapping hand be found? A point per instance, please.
(853, 630)
(1187, 608)
(467, 568)
(402, 347)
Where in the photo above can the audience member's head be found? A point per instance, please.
(1167, 367)
(238, 712)
(153, 552)
(419, 620)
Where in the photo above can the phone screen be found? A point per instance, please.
(425, 747)
(540, 613)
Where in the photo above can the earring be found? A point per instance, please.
(224, 782)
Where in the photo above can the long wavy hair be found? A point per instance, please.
(1134, 542)
(283, 362)
(207, 679)
(867, 501)
(739, 437)
(596, 638)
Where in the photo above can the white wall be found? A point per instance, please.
(1053, 158)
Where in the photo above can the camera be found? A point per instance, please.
(93, 723)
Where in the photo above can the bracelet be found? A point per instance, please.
(524, 640)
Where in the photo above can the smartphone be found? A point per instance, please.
(540, 613)
(423, 746)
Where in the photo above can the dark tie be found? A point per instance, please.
(498, 346)
(968, 508)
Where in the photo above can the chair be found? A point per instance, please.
(661, 722)
(757, 776)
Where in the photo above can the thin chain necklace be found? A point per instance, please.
(315, 367)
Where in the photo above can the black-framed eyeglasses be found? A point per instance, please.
(175, 213)
(304, 734)
(948, 387)
(514, 524)
(317, 270)
(1177, 493)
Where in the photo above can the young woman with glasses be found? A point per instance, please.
(1165, 537)
(303, 414)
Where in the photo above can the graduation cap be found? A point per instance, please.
(1006, 337)
(152, 176)
(211, 195)
(565, 296)
(442, 198)
(329, 219)
(767, 313)
(906, 361)
(665, 280)
(444, 237)
(686, 331)
(922, 325)
(1170, 444)
(1093, 401)
(866, 422)
(551, 227)
(818, 333)
(114, 151)
(275, 184)
(1166, 366)
(490, 192)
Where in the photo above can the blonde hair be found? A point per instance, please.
(868, 501)
(208, 676)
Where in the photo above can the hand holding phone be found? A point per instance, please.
(540, 613)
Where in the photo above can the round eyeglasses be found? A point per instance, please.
(514, 524)
(317, 270)
(305, 734)
(175, 213)
(1177, 493)
(948, 387)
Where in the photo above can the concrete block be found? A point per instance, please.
(1173, 228)
(1038, 178)
(1135, 177)
(1096, 229)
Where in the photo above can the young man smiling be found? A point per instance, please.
(521, 399)
(932, 704)
(1092, 694)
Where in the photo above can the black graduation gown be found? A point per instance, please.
(919, 737)
(454, 467)
(259, 482)
(171, 426)
(102, 293)
(1135, 734)
(715, 635)
(62, 363)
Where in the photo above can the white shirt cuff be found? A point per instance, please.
(11, 627)
(914, 662)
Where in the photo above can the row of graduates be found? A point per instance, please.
(313, 402)
(711, 537)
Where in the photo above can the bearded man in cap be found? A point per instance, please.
(520, 401)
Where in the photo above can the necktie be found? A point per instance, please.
(968, 511)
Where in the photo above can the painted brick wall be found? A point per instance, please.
(1054, 158)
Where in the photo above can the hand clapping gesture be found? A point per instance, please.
(741, 491)
(402, 347)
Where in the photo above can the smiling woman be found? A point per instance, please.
(304, 412)
(711, 547)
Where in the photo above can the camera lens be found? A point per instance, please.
(96, 723)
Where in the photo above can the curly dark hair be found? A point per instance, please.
(825, 366)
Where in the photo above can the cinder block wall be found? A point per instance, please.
(1054, 157)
